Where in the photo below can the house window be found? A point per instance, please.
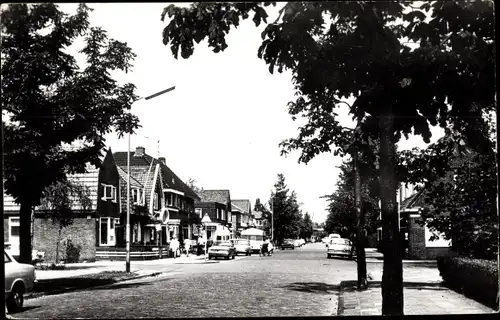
(136, 195)
(109, 192)
(222, 213)
(14, 227)
(155, 201)
(107, 231)
(217, 213)
(199, 212)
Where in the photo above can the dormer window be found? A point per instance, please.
(109, 192)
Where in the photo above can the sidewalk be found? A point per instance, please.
(80, 269)
(423, 295)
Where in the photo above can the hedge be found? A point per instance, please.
(475, 278)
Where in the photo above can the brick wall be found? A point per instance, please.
(81, 232)
(416, 240)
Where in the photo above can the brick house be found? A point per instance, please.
(146, 197)
(419, 245)
(90, 227)
(415, 236)
(162, 205)
(179, 202)
(217, 205)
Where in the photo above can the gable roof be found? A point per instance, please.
(414, 201)
(235, 208)
(133, 181)
(169, 179)
(220, 196)
(89, 180)
(141, 169)
(243, 204)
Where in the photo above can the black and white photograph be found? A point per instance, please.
(249, 159)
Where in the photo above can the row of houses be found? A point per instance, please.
(162, 207)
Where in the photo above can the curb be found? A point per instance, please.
(35, 295)
(375, 260)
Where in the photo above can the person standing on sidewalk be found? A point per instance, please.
(187, 246)
(174, 245)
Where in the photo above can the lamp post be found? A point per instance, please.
(127, 229)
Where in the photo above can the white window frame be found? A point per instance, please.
(14, 224)
(108, 188)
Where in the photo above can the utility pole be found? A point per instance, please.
(127, 228)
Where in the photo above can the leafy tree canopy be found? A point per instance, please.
(364, 50)
(49, 101)
(460, 193)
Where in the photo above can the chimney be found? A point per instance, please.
(139, 151)
(162, 160)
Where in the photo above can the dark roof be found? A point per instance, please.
(414, 201)
(169, 178)
(243, 204)
(220, 196)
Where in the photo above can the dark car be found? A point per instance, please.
(288, 244)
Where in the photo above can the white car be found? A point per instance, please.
(297, 243)
(340, 247)
(302, 241)
(20, 278)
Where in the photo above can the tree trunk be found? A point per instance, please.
(58, 242)
(360, 239)
(25, 232)
(392, 278)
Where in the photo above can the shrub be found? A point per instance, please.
(475, 278)
(72, 252)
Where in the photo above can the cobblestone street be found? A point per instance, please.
(300, 282)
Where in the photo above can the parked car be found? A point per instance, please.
(223, 249)
(340, 247)
(297, 243)
(303, 242)
(325, 240)
(242, 246)
(20, 278)
(288, 244)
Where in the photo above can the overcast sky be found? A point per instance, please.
(222, 124)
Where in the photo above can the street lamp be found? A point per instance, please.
(127, 230)
(206, 219)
